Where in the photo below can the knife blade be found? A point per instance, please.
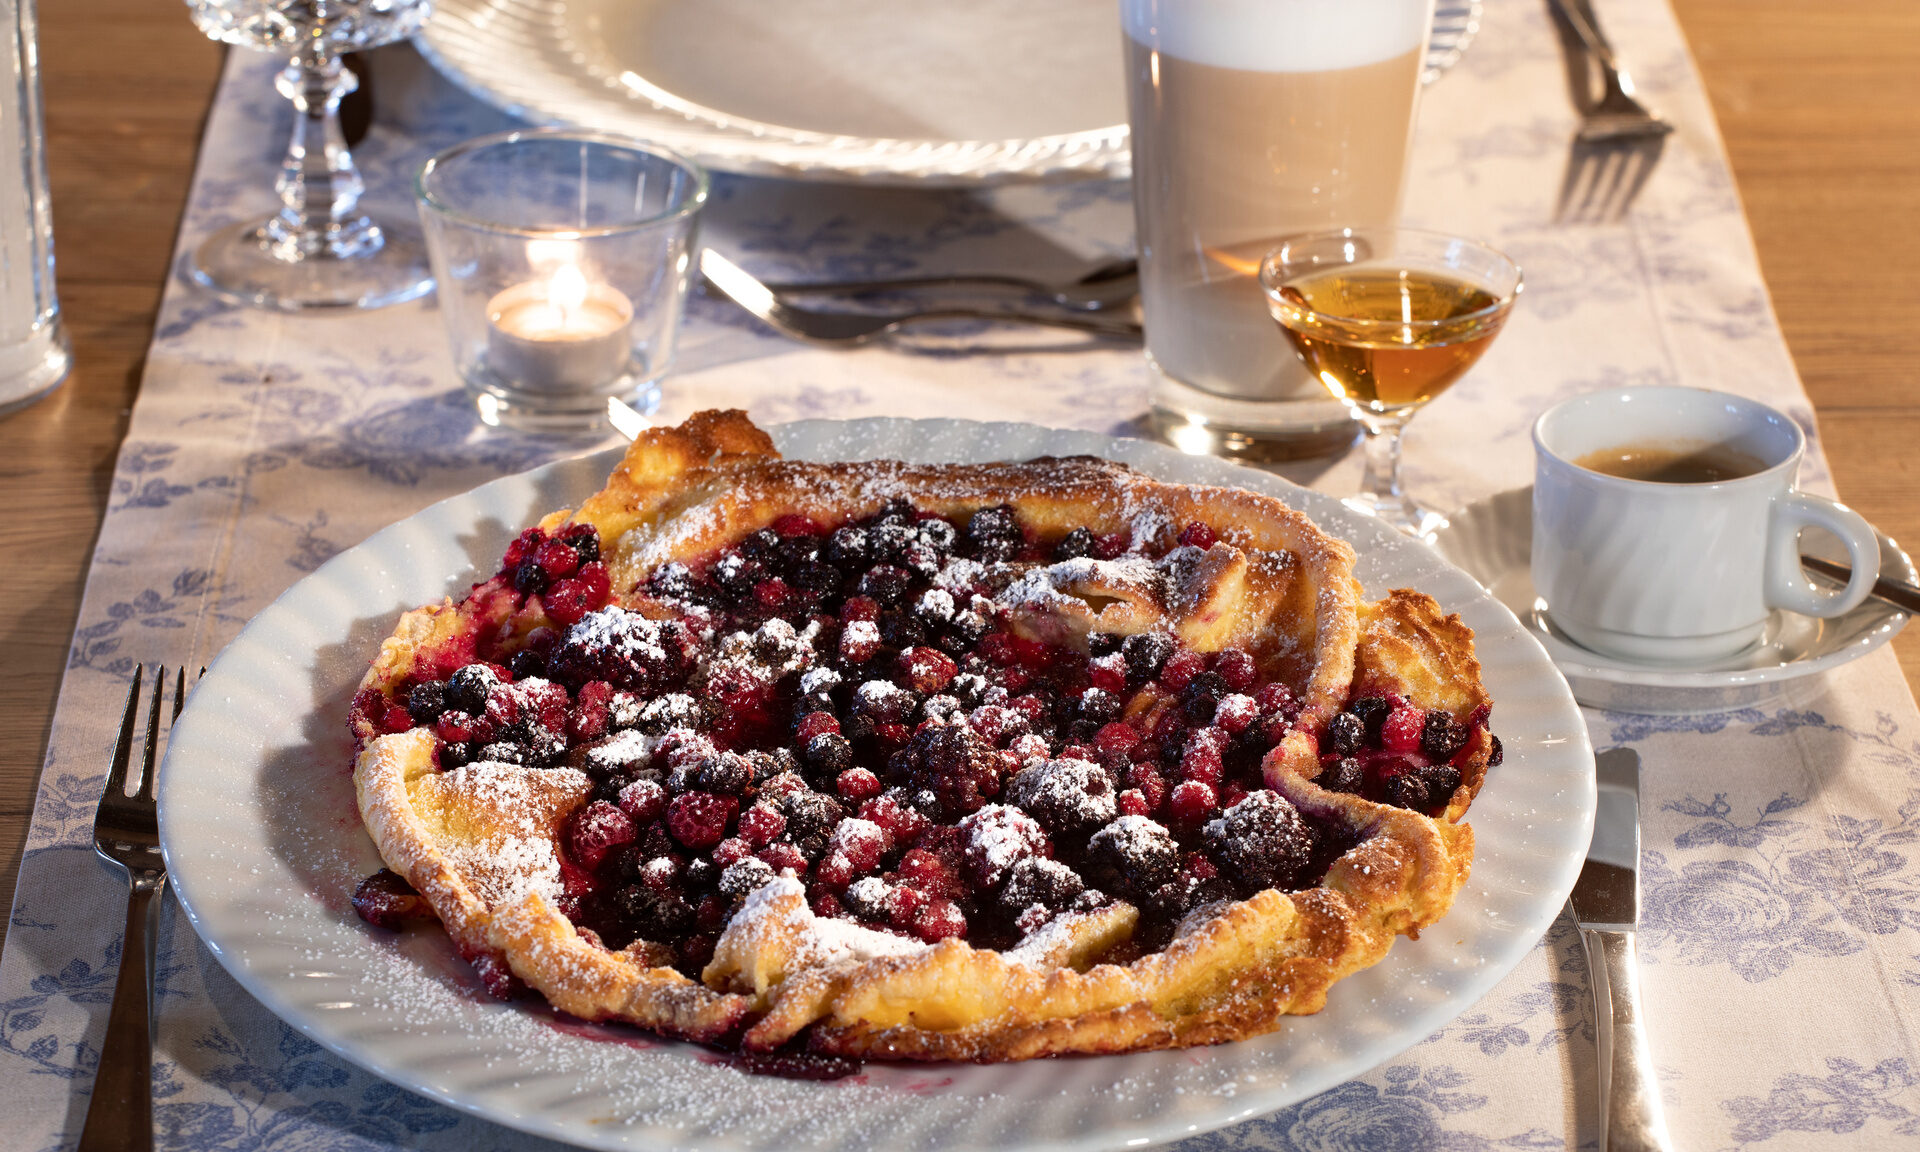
(1606, 905)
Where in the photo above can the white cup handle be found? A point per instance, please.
(1787, 584)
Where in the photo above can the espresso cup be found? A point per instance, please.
(1665, 571)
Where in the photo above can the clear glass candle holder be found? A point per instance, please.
(563, 260)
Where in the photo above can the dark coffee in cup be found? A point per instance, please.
(1667, 462)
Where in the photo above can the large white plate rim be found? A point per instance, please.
(1136, 1099)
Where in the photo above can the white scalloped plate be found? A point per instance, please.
(264, 847)
(909, 91)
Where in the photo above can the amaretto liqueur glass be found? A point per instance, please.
(1388, 318)
(319, 250)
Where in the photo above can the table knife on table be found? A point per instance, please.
(1606, 904)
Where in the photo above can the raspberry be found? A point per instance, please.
(785, 857)
(927, 670)
(731, 851)
(835, 870)
(860, 608)
(927, 872)
(940, 920)
(396, 719)
(997, 837)
(1274, 697)
(643, 801)
(697, 819)
(1180, 669)
(1117, 737)
(814, 724)
(590, 716)
(862, 842)
(794, 524)
(522, 549)
(1030, 706)
(1198, 535)
(904, 906)
(1109, 673)
(1235, 713)
(1202, 759)
(859, 641)
(597, 829)
(1236, 668)
(1133, 802)
(1147, 781)
(556, 558)
(1112, 545)
(772, 594)
(904, 824)
(1191, 802)
(857, 784)
(762, 824)
(1402, 729)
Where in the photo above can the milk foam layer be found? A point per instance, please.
(1279, 35)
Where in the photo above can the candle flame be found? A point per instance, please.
(567, 290)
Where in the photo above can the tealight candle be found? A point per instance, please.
(561, 334)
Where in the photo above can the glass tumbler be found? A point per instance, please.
(563, 260)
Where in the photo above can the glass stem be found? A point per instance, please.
(1380, 484)
(319, 186)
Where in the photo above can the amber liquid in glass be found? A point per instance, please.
(1387, 339)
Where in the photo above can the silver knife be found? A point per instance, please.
(1606, 904)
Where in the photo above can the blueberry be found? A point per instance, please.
(1345, 733)
(426, 702)
(1074, 545)
(1372, 711)
(1343, 776)
(467, 689)
(1442, 736)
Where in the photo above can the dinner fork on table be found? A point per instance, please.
(1619, 141)
(848, 329)
(126, 833)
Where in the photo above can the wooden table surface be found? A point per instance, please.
(1821, 114)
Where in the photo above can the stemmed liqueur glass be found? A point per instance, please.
(319, 250)
(1388, 318)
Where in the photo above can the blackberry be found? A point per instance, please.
(768, 764)
(1074, 545)
(1068, 797)
(1441, 780)
(1345, 775)
(653, 915)
(501, 752)
(1099, 706)
(886, 583)
(530, 578)
(1345, 733)
(467, 689)
(899, 630)
(1262, 842)
(958, 765)
(674, 581)
(1133, 856)
(938, 534)
(810, 814)
(968, 687)
(867, 898)
(454, 756)
(848, 548)
(1036, 880)
(426, 702)
(994, 534)
(584, 539)
(701, 873)
(995, 839)
(744, 877)
(1407, 790)
(816, 579)
(1103, 643)
(527, 664)
(674, 710)
(829, 754)
(1497, 755)
(1182, 894)
(1372, 711)
(1146, 653)
(729, 773)
(1442, 736)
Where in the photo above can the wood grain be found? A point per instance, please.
(1821, 113)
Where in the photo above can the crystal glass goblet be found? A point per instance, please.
(319, 250)
(1388, 318)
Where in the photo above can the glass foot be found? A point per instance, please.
(1410, 518)
(245, 264)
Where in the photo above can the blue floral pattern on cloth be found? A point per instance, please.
(1781, 933)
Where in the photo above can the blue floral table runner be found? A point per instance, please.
(1781, 942)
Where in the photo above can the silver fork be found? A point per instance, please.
(126, 832)
(1114, 284)
(847, 329)
(1619, 141)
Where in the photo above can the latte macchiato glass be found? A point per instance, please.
(1666, 524)
(1253, 120)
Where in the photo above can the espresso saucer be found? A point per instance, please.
(1491, 541)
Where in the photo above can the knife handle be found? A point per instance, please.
(1630, 1116)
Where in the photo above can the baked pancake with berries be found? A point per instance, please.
(947, 762)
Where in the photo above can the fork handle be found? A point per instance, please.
(1630, 1114)
(120, 1115)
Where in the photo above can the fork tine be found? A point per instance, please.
(123, 751)
(153, 734)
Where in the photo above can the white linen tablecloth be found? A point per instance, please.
(1781, 938)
